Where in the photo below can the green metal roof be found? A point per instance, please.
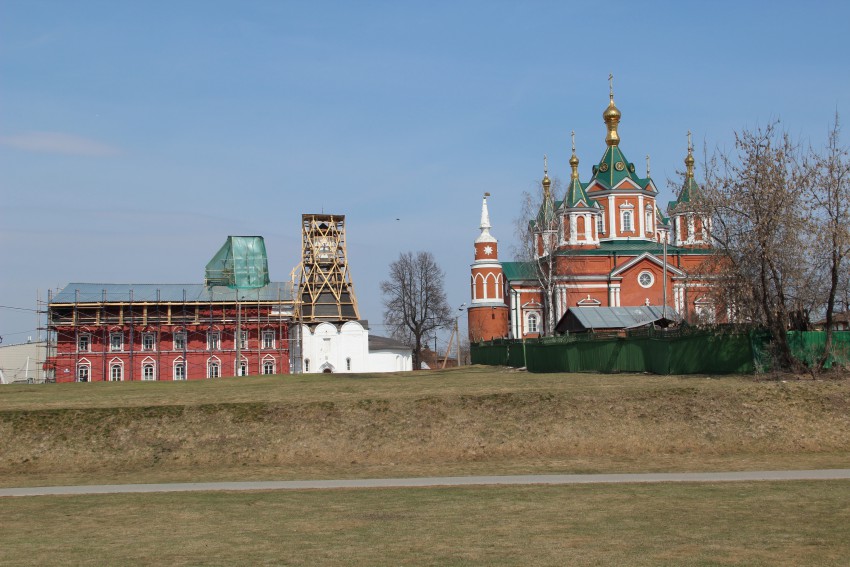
(690, 189)
(519, 271)
(631, 248)
(577, 196)
(609, 175)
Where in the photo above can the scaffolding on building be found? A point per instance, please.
(325, 289)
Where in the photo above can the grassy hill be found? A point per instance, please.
(475, 420)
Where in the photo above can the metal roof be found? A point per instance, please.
(168, 293)
(384, 343)
(617, 317)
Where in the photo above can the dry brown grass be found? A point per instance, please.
(777, 524)
(468, 421)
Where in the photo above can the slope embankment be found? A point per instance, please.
(471, 422)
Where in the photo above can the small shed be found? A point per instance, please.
(584, 319)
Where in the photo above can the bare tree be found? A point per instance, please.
(537, 229)
(415, 301)
(829, 175)
(760, 219)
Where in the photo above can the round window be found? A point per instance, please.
(645, 279)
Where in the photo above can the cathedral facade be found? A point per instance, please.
(604, 243)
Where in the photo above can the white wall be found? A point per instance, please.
(328, 348)
(396, 360)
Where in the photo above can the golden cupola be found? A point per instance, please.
(611, 116)
(689, 160)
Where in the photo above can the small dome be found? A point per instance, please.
(546, 181)
(574, 161)
(689, 161)
(611, 113)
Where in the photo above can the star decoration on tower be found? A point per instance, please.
(488, 250)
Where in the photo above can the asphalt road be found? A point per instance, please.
(741, 476)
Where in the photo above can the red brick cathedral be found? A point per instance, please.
(602, 244)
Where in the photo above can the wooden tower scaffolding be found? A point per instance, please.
(325, 290)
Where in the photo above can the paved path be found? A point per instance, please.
(822, 474)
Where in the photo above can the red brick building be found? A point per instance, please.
(103, 332)
(606, 240)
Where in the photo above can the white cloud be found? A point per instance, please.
(57, 143)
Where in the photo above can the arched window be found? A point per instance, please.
(83, 373)
(243, 368)
(213, 368)
(532, 323)
(116, 372)
(148, 371)
(268, 367)
(179, 369)
(627, 221)
(650, 225)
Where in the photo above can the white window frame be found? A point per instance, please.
(244, 364)
(178, 362)
(270, 361)
(112, 344)
(213, 363)
(528, 319)
(84, 337)
(149, 336)
(178, 337)
(213, 340)
(268, 345)
(600, 225)
(243, 340)
(651, 279)
(650, 223)
(146, 364)
(83, 364)
(116, 364)
(626, 220)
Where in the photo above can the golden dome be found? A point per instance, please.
(612, 112)
(546, 181)
(611, 116)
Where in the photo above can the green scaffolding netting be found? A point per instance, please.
(240, 264)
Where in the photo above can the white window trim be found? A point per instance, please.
(213, 360)
(149, 362)
(185, 340)
(650, 219)
(245, 364)
(210, 335)
(80, 337)
(270, 359)
(263, 339)
(178, 361)
(83, 363)
(538, 319)
(152, 336)
(243, 340)
(112, 364)
(651, 279)
(120, 345)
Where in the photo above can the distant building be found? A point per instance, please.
(22, 363)
(606, 238)
(114, 332)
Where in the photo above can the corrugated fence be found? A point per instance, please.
(690, 352)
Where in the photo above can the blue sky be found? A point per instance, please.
(135, 136)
